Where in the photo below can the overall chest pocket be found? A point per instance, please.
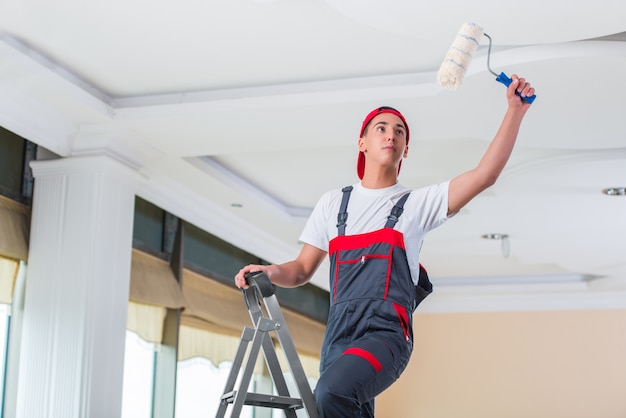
(363, 272)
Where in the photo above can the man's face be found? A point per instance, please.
(384, 139)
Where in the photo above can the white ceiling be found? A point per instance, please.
(259, 103)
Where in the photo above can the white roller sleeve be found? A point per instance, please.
(459, 56)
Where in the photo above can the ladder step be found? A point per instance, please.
(264, 400)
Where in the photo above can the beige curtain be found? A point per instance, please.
(146, 320)
(14, 228)
(153, 289)
(222, 309)
(310, 364)
(196, 342)
(153, 282)
(217, 347)
(213, 315)
(8, 274)
(14, 220)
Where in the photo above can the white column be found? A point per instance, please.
(76, 298)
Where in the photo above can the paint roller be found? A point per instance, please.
(459, 56)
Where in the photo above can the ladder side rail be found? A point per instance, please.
(246, 337)
(269, 351)
(289, 348)
(259, 333)
(263, 285)
(274, 368)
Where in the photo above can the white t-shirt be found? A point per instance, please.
(368, 209)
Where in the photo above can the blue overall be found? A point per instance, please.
(369, 335)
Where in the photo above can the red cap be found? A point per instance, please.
(360, 165)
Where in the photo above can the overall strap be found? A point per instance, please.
(342, 216)
(396, 211)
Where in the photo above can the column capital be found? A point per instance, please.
(114, 140)
(97, 163)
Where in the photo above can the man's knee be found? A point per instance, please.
(330, 403)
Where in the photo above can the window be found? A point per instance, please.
(4, 340)
(138, 375)
(199, 385)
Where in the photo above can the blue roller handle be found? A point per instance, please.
(504, 79)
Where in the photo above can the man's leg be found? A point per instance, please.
(363, 371)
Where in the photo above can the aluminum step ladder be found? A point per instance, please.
(261, 288)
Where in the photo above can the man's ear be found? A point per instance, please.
(406, 151)
(361, 144)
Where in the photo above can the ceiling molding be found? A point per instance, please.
(565, 158)
(177, 199)
(232, 179)
(542, 279)
(547, 292)
(329, 91)
(546, 52)
(522, 302)
(382, 87)
(30, 119)
(31, 60)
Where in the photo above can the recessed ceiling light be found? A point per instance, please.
(495, 236)
(615, 191)
(506, 246)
